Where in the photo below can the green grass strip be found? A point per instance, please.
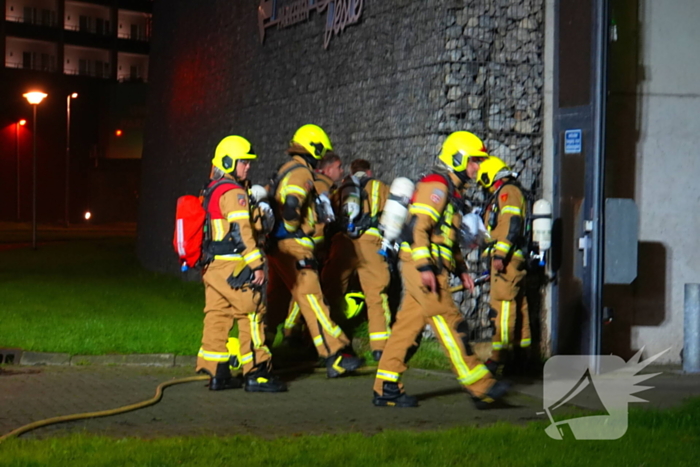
(663, 438)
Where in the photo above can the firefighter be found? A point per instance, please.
(233, 280)
(293, 267)
(429, 253)
(361, 254)
(326, 177)
(504, 218)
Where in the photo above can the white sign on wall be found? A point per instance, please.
(339, 15)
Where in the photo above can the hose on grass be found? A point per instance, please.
(104, 413)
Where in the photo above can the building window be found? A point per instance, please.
(27, 60)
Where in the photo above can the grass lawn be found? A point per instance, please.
(91, 297)
(654, 438)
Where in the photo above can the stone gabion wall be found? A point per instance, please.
(494, 84)
(388, 89)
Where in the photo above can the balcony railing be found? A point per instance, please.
(134, 37)
(38, 21)
(103, 31)
(35, 67)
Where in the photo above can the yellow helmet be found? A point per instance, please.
(229, 151)
(492, 170)
(354, 302)
(313, 139)
(459, 147)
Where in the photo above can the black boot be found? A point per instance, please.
(223, 379)
(496, 368)
(377, 355)
(497, 391)
(340, 363)
(261, 380)
(393, 396)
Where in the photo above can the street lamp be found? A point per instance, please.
(17, 125)
(34, 98)
(66, 206)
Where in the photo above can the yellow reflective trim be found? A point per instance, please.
(252, 256)
(255, 334)
(218, 233)
(387, 312)
(288, 227)
(247, 358)
(502, 246)
(287, 189)
(318, 341)
(237, 215)
(496, 345)
(420, 253)
(305, 242)
(228, 257)
(388, 376)
(213, 356)
(378, 336)
(519, 254)
(525, 342)
(505, 314)
(373, 231)
(405, 247)
(291, 320)
(375, 198)
(512, 210)
(465, 376)
(322, 318)
(420, 208)
(318, 239)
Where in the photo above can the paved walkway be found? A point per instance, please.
(313, 404)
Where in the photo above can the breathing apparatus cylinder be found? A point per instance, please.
(351, 196)
(395, 212)
(542, 227)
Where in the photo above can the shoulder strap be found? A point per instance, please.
(213, 193)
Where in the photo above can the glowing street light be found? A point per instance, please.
(67, 201)
(118, 133)
(34, 98)
(17, 125)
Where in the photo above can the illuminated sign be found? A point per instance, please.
(339, 15)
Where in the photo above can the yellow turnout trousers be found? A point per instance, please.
(418, 308)
(361, 255)
(509, 312)
(223, 306)
(303, 284)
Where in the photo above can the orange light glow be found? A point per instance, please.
(74, 95)
(22, 122)
(34, 97)
(118, 132)
(88, 215)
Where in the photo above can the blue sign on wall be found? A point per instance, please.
(573, 141)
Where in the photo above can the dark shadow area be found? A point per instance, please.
(642, 303)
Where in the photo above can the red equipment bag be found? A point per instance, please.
(189, 230)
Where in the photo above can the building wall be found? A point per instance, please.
(75, 10)
(15, 8)
(73, 55)
(15, 47)
(126, 61)
(652, 158)
(127, 19)
(388, 89)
